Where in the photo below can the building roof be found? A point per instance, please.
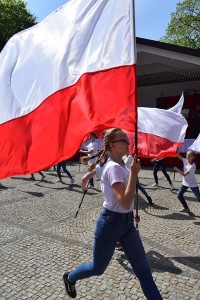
(162, 63)
(169, 47)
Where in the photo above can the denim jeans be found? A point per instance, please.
(142, 189)
(63, 165)
(160, 164)
(182, 191)
(110, 228)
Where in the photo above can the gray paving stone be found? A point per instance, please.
(40, 238)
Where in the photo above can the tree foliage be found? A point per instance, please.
(14, 17)
(184, 26)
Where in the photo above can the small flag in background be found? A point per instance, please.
(160, 132)
(195, 145)
(69, 75)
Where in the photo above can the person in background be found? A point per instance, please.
(115, 222)
(91, 149)
(62, 165)
(128, 160)
(159, 163)
(189, 179)
(41, 173)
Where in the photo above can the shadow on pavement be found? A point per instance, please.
(196, 223)
(23, 178)
(35, 194)
(174, 216)
(190, 261)
(157, 262)
(2, 187)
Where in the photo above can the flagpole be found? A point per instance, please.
(136, 115)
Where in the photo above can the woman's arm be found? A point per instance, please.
(125, 195)
(181, 172)
(86, 151)
(178, 154)
(153, 160)
(85, 179)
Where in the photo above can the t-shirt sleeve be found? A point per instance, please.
(99, 171)
(114, 174)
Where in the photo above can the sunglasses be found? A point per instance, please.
(126, 141)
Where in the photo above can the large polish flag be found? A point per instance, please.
(71, 74)
(160, 132)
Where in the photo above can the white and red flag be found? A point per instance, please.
(195, 145)
(69, 75)
(160, 132)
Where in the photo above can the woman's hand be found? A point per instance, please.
(137, 219)
(135, 165)
(84, 185)
(85, 180)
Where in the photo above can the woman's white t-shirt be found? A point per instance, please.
(93, 145)
(112, 173)
(190, 179)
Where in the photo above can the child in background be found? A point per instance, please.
(128, 160)
(189, 179)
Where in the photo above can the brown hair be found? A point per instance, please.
(193, 154)
(103, 154)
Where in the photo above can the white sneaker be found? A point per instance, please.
(172, 187)
(155, 185)
(186, 210)
(59, 180)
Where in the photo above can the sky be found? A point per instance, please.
(152, 16)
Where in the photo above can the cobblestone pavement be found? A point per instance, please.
(40, 238)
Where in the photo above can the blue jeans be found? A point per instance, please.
(142, 189)
(110, 228)
(182, 191)
(160, 164)
(63, 165)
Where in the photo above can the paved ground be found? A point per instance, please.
(40, 238)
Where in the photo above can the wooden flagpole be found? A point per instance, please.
(136, 118)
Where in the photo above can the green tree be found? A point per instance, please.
(14, 17)
(184, 26)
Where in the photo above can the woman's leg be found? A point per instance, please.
(135, 253)
(58, 168)
(103, 249)
(140, 187)
(196, 192)
(180, 194)
(91, 181)
(63, 164)
(155, 171)
(166, 174)
(42, 174)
